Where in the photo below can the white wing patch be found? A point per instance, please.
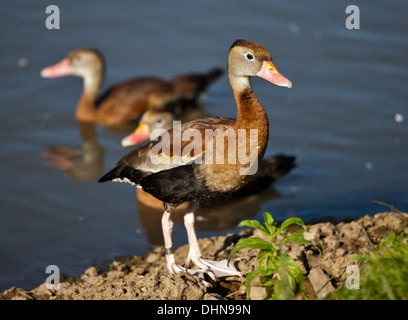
(126, 180)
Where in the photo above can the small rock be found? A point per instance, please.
(332, 242)
(309, 235)
(152, 257)
(258, 293)
(91, 272)
(340, 252)
(320, 282)
(327, 228)
(323, 229)
(351, 230)
(113, 275)
(43, 290)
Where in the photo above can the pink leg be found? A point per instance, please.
(194, 250)
(172, 266)
(217, 268)
(167, 227)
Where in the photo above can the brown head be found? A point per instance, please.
(84, 62)
(149, 122)
(247, 59)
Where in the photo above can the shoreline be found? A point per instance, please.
(146, 277)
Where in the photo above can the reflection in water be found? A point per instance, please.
(82, 163)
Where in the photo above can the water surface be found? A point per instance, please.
(346, 119)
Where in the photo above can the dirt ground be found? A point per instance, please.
(146, 277)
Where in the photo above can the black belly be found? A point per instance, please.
(178, 185)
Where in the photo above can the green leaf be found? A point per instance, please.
(291, 278)
(294, 271)
(389, 239)
(255, 243)
(268, 218)
(268, 259)
(277, 288)
(268, 281)
(296, 237)
(289, 222)
(270, 223)
(254, 224)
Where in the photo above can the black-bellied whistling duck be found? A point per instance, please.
(270, 169)
(127, 100)
(155, 120)
(150, 122)
(196, 169)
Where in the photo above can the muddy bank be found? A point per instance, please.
(146, 277)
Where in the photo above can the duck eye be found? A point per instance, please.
(160, 121)
(249, 56)
(78, 58)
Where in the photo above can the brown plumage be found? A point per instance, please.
(127, 100)
(152, 121)
(198, 169)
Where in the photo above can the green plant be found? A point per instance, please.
(383, 273)
(277, 271)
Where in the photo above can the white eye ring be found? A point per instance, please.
(160, 122)
(249, 56)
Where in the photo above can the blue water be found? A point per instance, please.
(346, 119)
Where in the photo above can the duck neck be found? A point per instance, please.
(250, 113)
(86, 110)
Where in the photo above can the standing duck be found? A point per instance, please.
(125, 101)
(196, 169)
